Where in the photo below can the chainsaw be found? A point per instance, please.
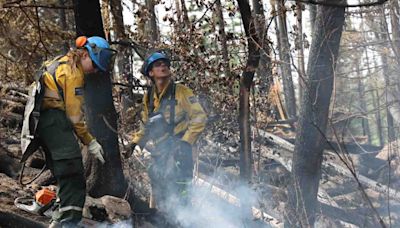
(43, 203)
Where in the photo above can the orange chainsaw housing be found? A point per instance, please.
(44, 196)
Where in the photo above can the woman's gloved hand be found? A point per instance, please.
(95, 149)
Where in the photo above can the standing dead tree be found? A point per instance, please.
(246, 81)
(100, 112)
(284, 56)
(307, 158)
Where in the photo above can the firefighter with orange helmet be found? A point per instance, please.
(61, 122)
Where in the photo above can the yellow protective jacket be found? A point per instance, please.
(72, 82)
(190, 118)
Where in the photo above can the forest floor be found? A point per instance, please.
(218, 194)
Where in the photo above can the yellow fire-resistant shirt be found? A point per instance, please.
(72, 83)
(190, 117)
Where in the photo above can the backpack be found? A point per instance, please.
(29, 139)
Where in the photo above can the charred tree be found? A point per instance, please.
(310, 140)
(222, 36)
(122, 60)
(313, 15)
(246, 81)
(300, 48)
(185, 19)
(284, 56)
(378, 118)
(382, 34)
(63, 23)
(151, 28)
(264, 71)
(394, 19)
(363, 108)
(100, 112)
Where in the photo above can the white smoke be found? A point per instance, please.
(212, 207)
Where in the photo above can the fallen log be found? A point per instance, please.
(328, 205)
(8, 219)
(232, 199)
(286, 162)
(365, 181)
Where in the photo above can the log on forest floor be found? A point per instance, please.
(328, 205)
(365, 181)
(232, 199)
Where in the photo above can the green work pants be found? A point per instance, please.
(171, 173)
(64, 158)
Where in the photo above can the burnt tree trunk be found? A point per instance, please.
(382, 34)
(63, 23)
(246, 80)
(222, 36)
(100, 112)
(310, 140)
(151, 28)
(363, 108)
(313, 15)
(394, 19)
(378, 118)
(264, 71)
(186, 21)
(300, 48)
(284, 56)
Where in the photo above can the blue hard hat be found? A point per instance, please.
(147, 65)
(100, 52)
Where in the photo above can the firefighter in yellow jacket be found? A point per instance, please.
(62, 122)
(172, 121)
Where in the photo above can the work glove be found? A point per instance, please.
(96, 149)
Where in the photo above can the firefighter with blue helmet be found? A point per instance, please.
(62, 122)
(172, 121)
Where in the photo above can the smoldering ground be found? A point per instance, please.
(207, 208)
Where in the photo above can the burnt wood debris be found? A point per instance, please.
(301, 100)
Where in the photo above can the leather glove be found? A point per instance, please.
(95, 149)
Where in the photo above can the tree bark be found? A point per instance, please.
(246, 81)
(386, 74)
(310, 141)
(152, 29)
(300, 48)
(313, 15)
(394, 19)
(363, 107)
(100, 112)
(63, 23)
(222, 35)
(185, 15)
(284, 55)
(378, 118)
(264, 71)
